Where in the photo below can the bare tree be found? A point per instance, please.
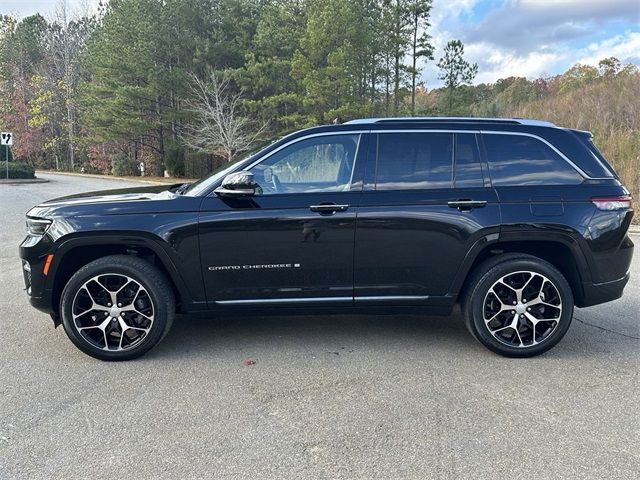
(219, 124)
(67, 36)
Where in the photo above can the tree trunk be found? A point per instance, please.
(70, 121)
(413, 71)
(396, 66)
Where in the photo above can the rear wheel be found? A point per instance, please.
(117, 307)
(518, 305)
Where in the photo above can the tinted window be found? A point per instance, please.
(318, 164)
(609, 171)
(523, 160)
(414, 160)
(467, 166)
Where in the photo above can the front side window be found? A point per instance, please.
(414, 161)
(522, 160)
(317, 164)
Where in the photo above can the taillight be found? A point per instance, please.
(619, 202)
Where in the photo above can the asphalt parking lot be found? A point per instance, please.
(329, 397)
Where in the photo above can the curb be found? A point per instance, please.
(104, 177)
(22, 181)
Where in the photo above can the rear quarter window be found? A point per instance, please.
(516, 160)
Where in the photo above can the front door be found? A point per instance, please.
(425, 204)
(291, 243)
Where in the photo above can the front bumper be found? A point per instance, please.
(33, 255)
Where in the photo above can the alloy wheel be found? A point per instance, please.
(522, 309)
(112, 312)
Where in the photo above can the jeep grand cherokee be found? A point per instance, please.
(516, 220)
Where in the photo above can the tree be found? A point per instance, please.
(421, 46)
(330, 65)
(577, 77)
(397, 24)
(124, 98)
(609, 67)
(22, 51)
(66, 41)
(219, 123)
(454, 69)
(266, 74)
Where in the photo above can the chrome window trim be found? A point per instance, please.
(361, 132)
(550, 145)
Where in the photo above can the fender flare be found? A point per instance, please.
(569, 240)
(122, 239)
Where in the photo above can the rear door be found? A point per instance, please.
(426, 203)
(292, 243)
(536, 185)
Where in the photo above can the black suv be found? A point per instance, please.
(517, 220)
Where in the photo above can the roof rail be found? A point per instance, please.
(512, 121)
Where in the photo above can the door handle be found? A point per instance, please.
(328, 208)
(466, 205)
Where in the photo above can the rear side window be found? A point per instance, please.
(414, 161)
(467, 166)
(523, 160)
(609, 171)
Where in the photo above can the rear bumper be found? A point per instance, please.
(597, 293)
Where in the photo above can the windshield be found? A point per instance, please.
(219, 173)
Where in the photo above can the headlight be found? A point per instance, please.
(37, 226)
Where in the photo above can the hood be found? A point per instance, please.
(153, 199)
(114, 195)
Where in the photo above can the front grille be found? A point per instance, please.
(26, 273)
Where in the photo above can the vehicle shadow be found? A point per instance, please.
(242, 337)
(253, 335)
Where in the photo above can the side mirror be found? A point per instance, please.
(237, 184)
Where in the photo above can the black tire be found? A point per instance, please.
(153, 292)
(480, 304)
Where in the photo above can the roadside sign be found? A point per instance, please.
(6, 138)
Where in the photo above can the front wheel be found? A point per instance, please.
(518, 305)
(117, 307)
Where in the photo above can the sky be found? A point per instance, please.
(528, 38)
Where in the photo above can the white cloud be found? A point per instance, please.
(46, 8)
(625, 47)
(525, 24)
(533, 38)
(496, 63)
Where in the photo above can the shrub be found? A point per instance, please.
(174, 159)
(17, 170)
(123, 165)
